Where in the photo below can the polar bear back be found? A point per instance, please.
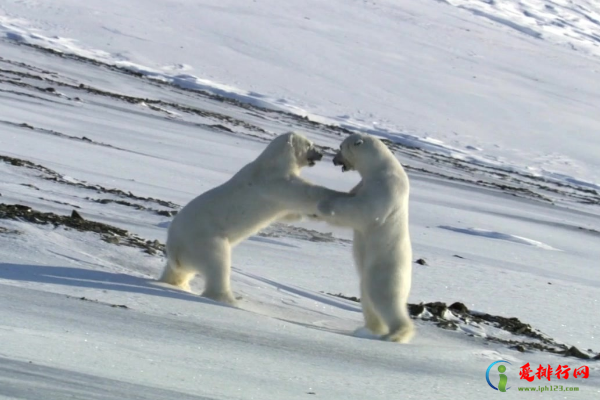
(218, 212)
(244, 204)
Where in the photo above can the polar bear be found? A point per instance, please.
(378, 214)
(202, 234)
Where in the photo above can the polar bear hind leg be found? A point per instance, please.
(216, 268)
(211, 260)
(401, 335)
(175, 274)
(401, 327)
(391, 306)
(373, 320)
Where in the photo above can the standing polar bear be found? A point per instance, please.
(378, 213)
(202, 234)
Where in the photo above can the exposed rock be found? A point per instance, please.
(30, 185)
(7, 231)
(108, 233)
(447, 325)
(416, 309)
(459, 307)
(575, 352)
(519, 348)
(165, 213)
(100, 302)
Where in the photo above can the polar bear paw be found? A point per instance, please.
(226, 297)
(402, 335)
(365, 333)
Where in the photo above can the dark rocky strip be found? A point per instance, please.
(123, 306)
(59, 134)
(54, 176)
(516, 183)
(153, 104)
(108, 233)
(437, 312)
(164, 213)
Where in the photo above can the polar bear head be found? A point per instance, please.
(362, 153)
(291, 150)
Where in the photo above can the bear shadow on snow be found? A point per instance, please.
(59, 383)
(85, 278)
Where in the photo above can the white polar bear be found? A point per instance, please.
(378, 213)
(202, 234)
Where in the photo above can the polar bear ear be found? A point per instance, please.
(290, 141)
(359, 142)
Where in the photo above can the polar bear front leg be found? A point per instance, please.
(344, 211)
(300, 196)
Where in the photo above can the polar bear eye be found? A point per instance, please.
(358, 142)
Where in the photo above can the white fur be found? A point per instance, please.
(202, 234)
(378, 213)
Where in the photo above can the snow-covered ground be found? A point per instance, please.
(504, 208)
(422, 72)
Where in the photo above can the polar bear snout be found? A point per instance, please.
(340, 160)
(313, 156)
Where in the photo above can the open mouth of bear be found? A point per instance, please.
(344, 166)
(338, 160)
(313, 156)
